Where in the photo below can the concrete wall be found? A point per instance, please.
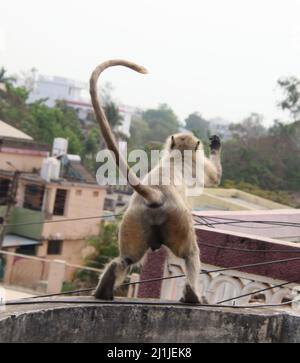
(115, 322)
(22, 161)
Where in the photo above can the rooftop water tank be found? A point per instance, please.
(50, 169)
(60, 147)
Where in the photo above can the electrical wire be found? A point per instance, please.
(62, 220)
(232, 221)
(248, 250)
(134, 302)
(176, 277)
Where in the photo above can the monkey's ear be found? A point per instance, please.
(198, 144)
(173, 144)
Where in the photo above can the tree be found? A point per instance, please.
(250, 128)
(162, 122)
(113, 115)
(198, 125)
(4, 80)
(106, 248)
(139, 133)
(40, 121)
(291, 89)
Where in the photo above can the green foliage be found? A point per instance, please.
(251, 127)
(106, 248)
(106, 245)
(291, 102)
(162, 122)
(4, 79)
(40, 121)
(113, 115)
(45, 123)
(153, 127)
(271, 162)
(198, 125)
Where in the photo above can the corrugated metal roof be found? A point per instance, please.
(75, 171)
(10, 131)
(11, 240)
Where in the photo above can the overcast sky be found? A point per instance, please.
(221, 58)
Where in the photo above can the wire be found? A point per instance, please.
(259, 291)
(134, 302)
(238, 221)
(248, 250)
(205, 219)
(61, 220)
(236, 224)
(174, 277)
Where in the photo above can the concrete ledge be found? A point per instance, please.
(149, 323)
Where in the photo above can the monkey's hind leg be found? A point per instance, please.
(190, 292)
(112, 277)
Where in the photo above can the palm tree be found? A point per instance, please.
(115, 120)
(113, 115)
(4, 80)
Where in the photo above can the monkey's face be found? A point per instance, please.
(184, 141)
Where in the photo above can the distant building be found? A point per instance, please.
(49, 189)
(220, 127)
(76, 95)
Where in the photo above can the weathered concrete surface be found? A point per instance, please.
(116, 322)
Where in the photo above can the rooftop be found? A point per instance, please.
(9, 131)
(221, 199)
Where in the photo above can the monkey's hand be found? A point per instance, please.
(215, 143)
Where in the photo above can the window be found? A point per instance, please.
(4, 190)
(55, 247)
(110, 204)
(60, 202)
(34, 196)
(27, 250)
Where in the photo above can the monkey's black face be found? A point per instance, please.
(215, 143)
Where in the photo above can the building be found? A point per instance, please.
(8, 131)
(76, 95)
(220, 127)
(49, 191)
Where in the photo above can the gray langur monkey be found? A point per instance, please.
(158, 214)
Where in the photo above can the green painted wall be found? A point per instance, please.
(21, 215)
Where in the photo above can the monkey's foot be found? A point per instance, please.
(104, 294)
(189, 296)
(215, 143)
(105, 288)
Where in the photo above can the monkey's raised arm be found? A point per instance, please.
(151, 195)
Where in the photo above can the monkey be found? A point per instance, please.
(157, 214)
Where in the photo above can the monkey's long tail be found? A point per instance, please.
(152, 196)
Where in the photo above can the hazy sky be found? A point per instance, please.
(221, 58)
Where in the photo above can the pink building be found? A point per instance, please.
(49, 191)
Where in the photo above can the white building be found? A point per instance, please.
(76, 95)
(220, 127)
